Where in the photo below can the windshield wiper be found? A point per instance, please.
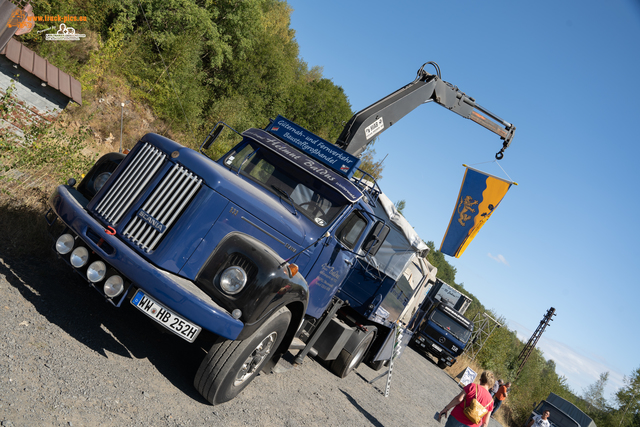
(284, 193)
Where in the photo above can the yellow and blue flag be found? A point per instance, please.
(479, 196)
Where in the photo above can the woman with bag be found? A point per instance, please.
(472, 406)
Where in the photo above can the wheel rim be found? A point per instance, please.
(356, 358)
(255, 359)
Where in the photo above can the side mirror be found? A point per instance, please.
(211, 137)
(376, 237)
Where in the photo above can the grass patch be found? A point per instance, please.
(30, 169)
(24, 229)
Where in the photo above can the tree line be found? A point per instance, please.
(538, 377)
(196, 62)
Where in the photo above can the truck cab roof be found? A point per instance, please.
(339, 183)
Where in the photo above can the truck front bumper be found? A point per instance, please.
(178, 294)
(427, 345)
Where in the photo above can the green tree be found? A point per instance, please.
(446, 272)
(594, 393)
(400, 205)
(318, 105)
(628, 398)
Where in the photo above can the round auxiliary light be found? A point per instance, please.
(98, 183)
(64, 244)
(96, 271)
(79, 256)
(113, 286)
(233, 280)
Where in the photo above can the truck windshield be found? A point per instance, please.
(310, 196)
(451, 325)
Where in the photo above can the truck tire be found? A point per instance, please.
(441, 364)
(231, 365)
(378, 364)
(348, 361)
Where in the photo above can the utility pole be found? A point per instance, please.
(528, 348)
(121, 124)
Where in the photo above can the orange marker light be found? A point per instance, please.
(292, 269)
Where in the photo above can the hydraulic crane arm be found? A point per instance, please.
(361, 129)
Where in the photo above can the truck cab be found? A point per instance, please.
(562, 413)
(442, 333)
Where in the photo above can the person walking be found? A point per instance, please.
(472, 391)
(500, 396)
(540, 420)
(495, 388)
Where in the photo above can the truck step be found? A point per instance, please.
(297, 344)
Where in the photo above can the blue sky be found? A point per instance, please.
(566, 75)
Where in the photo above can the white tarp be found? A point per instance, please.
(401, 243)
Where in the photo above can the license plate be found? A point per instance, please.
(167, 318)
(436, 347)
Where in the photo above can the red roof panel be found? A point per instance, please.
(52, 76)
(76, 91)
(26, 59)
(13, 51)
(41, 68)
(65, 83)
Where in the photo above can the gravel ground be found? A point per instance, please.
(67, 358)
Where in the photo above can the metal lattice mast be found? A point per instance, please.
(483, 327)
(528, 348)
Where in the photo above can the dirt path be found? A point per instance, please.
(67, 358)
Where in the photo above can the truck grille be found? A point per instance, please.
(161, 209)
(130, 184)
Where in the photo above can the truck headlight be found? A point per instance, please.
(233, 279)
(64, 244)
(96, 271)
(113, 286)
(79, 256)
(98, 183)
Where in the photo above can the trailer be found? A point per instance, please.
(443, 292)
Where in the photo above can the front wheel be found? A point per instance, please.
(231, 365)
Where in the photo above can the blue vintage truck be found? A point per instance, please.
(275, 244)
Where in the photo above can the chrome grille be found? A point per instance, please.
(130, 184)
(162, 208)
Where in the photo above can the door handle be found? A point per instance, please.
(348, 262)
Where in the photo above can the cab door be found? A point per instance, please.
(334, 263)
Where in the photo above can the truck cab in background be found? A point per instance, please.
(562, 413)
(440, 329)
